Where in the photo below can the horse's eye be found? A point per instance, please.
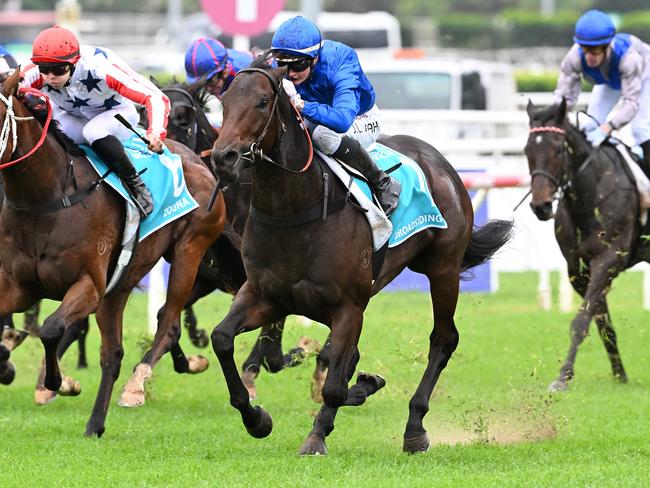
(264, 102)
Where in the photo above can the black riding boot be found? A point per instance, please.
(111, 151)
(645, 162)
(386, 188)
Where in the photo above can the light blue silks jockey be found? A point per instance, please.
(164, 177)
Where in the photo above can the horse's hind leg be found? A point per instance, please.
(109, 319)
(444, 282)
(608, 336)
(181, 278)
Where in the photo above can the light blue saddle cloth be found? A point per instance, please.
(416, 209)
(164, 178)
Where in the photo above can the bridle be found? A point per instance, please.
(255, 151)
(192, 129)
(9, 127)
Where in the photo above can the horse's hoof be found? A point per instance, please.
(313, 446)
(131, 399)
(7, 373)
(12, 338)
(197, 364)
(4, 353)
(558, 385)
(69, 387)
(621, 378)
(43, 396)
(376, 380)
(201, 339)
(263, 427)
(92, 431)
(413, 445)
(248, 378)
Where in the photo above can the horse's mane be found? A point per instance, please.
(39, 112)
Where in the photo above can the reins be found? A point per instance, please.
(9, 126)
(255, 150)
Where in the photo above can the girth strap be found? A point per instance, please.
(55, 206)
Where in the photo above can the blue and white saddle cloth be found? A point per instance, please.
(416, 210)
(164, 178)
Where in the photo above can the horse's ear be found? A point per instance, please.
(561, 111)
(530, 108)
(154, 81)
(10, 85)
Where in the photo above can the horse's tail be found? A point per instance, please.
(485, 242)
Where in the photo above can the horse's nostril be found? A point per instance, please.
(231, 158)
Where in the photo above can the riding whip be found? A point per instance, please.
(126, 124)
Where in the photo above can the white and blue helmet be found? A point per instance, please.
(297, 37)
(594, 28)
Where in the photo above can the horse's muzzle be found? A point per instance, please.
(543, 210)
(224, 164)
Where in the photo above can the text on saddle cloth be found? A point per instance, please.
(416, 210)
(164, 178)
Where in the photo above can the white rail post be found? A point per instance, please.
(565, 291)
(155, 295)
(544, 289)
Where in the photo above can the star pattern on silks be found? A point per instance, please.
(91, 83)
(78, 102)
(52, 89)
(110, 102)
(99, 50)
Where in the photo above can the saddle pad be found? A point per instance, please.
(164, 178)
(416, 209)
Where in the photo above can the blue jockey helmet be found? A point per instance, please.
(7, 61)
(297, 37)
(205, 58)
(594, 28)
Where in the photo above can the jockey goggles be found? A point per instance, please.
(57, 69)
(295, 65)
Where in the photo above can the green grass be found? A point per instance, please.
(491, 419)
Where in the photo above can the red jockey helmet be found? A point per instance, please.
(55, 45)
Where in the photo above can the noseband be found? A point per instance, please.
(255, 151)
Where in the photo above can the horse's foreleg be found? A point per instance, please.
(76, 332)
(602, 271)
(109, 317)
(12, 299)
(248, 312)
(443, 283)
(78, 303)
(344, 356)
(608, 336)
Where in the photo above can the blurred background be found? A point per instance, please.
(456, 73)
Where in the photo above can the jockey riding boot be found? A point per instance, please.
(645, 162)
(386, 188)
(111, 151)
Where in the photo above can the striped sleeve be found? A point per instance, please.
(138, 89)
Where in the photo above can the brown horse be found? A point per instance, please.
(300, 261)
(68, 251)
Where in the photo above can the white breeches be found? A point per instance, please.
(603, 99)
(87, 131)
(364, 129)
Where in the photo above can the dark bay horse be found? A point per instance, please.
(596, 222)
(298, 261)
(222, 267)
(69, 252)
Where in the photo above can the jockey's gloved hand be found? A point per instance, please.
(293, 95)
(596, 136)
(155, 144)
